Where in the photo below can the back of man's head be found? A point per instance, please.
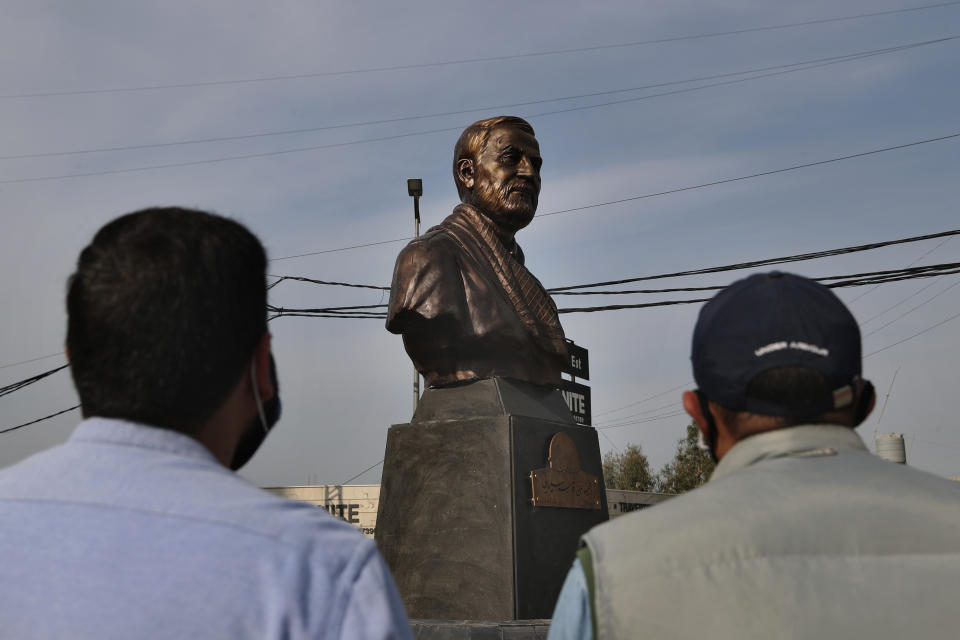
(777, 345)
(164, 312)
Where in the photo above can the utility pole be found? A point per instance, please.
(415, 189)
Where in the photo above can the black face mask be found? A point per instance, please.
(256, 432)
(710, 437)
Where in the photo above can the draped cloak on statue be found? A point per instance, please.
(468, 308)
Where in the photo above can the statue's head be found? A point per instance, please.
(496, 166)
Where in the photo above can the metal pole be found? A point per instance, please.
(415, 189)
(416, 233)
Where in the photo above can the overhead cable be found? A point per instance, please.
(336, 284)
(927, 253)
(279, 152)
(912, 309)
(756, 175)
(670, 405)
(27, 424)
(881, 275)
(38, 358)
(900, 302)
(356, 246)
(767, 261)
(370, 468)
(460, 61)
(26, 382)
(815, 63)
(678, 413)
(938, 269)
(853, 280)
(672, 414)
(919, 333)
(668, 192)
(685, 385)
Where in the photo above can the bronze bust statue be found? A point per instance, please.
(461, 296)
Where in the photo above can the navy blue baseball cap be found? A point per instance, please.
(772, 320)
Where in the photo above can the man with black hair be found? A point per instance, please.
(801, 532)
(137, 527)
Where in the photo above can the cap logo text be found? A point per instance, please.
(794, 344)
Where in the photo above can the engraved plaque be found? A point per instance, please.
(563, 483)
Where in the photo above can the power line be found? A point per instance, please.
(325, 282)
(289, 314)
(261, 154)
(670, 405)
(515, 56)
(370, 468)
(650, 419)
(894, 306)
(354, 313)
(815, 63)
(673, 414)
(757, 175)
(14, 364)
(668, 192)
(356, 246)
(768, 261)
(850, 283)
(27, 424)
(673, 389)
(939, 244)
(656, 395)
(851, 280)
(26, 382)
(912, 309)
(264, 154)
(919, 333)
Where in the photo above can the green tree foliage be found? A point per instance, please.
(628, 470)
(689, 468)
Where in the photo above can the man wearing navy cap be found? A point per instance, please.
(800, 532)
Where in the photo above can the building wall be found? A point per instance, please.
(621, 502)
(353, 503)
(357, 503)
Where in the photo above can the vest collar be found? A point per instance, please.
(785, 442)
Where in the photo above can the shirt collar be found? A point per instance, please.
(133, 434)
(784, 442)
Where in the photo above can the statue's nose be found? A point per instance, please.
(527, 168)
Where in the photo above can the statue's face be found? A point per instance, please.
(505, 178)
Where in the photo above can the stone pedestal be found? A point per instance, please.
(457, 524)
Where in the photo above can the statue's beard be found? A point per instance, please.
(511, 206)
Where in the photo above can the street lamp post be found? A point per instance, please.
(415, 189)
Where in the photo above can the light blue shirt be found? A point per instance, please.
(129, 531)
(571, 617)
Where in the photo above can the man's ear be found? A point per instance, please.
(465, 172)
(865, 402)
(691, 404)
(261, 358)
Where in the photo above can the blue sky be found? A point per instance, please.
(345, 381)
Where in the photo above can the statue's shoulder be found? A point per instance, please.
(436, 242)
(433, 252)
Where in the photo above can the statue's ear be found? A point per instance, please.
(465, 172)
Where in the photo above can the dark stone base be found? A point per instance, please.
(479, 630)
(456, 524)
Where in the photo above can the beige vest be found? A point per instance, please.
(801, 533)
